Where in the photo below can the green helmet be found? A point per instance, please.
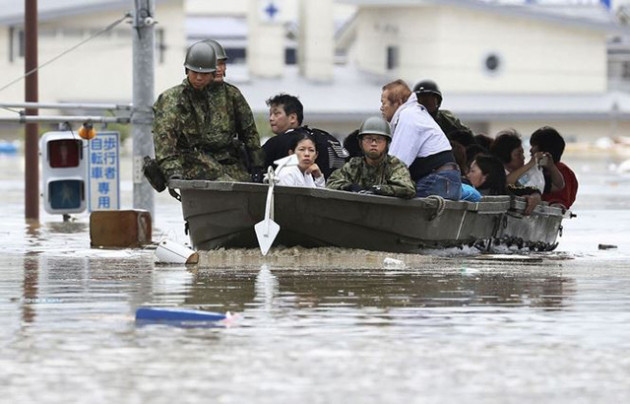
(428, 87)
(201, 58)
(375, 125)
(218, 49)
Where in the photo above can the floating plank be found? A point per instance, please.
(164, 314)
(508, 257)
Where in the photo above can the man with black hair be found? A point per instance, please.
(286, 114)
(549, 140)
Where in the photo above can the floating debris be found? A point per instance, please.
(508, 257)
(171, 252)
(182, 317)
(393, 263)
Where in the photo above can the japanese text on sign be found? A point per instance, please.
(103, 171)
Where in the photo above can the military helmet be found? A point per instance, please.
(218, 49)
(201, 58)
(375, 125)
(428, 87)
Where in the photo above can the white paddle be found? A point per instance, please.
(267, 230)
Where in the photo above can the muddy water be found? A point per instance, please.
(317, 326)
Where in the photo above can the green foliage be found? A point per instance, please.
(123, 128)
(262, 124)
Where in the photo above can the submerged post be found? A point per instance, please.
(31, 94)
(143, 87)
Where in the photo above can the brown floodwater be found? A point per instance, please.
(317, 326)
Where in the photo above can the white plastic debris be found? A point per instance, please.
(169, 251)
(393, 263)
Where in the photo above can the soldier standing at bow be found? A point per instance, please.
(196, 130)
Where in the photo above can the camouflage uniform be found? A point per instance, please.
(449, 123)
(194, 133)
(392, 175)
(236, 118)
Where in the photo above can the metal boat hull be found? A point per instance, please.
(223, 214)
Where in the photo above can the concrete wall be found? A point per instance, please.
(450, 45)
(316, 46)
(208, 7)
(100, 70)
(265, 43)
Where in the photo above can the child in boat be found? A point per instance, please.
(549, 140)
(306, 173)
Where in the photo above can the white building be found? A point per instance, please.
(499, 63)
(99, 70)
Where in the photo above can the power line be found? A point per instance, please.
(108, 28)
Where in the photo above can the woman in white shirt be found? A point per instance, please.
(306, 173)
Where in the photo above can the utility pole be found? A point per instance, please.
(31, 148)
(143, 88)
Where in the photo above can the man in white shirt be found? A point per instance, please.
(420, 143)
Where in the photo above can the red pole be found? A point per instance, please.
(31, 157)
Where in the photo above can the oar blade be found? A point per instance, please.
(266, 232)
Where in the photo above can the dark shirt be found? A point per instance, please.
(450, 125)
(277, 147)
(330, 153)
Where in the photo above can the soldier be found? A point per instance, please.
(235, 115)
(430, 96)
(194, 128)
(376, 172)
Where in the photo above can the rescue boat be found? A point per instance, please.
(224, 215)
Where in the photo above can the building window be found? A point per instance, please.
(392, 57)
(625, 70)
(17, 43)
(160, 46)
(492, 63)
(290, 56)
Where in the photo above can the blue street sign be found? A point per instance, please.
(103, 171)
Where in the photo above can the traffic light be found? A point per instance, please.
(64, 172)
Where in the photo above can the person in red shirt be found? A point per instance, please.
(549, 140)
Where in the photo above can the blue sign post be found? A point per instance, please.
(104, 172)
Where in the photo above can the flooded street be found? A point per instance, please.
(317, 326)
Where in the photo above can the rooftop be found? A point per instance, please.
(354, 95)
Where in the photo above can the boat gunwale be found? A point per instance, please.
(488, 205)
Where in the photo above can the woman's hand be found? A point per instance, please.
(533, 160)
(314, 170)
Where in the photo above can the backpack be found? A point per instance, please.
(331, 153)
